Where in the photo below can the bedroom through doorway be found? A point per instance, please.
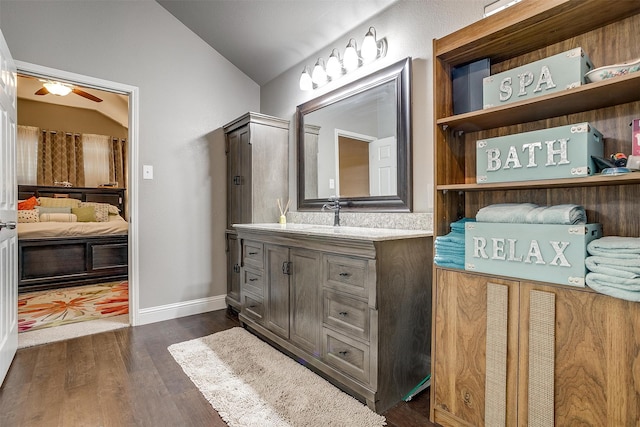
(74, 151)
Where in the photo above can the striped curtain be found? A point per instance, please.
(118, 161)
(60, 158)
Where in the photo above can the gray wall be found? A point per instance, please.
(409, 26)
(187, 91)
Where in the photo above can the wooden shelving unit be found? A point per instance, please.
(526, 32)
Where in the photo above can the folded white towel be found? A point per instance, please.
(629, 291)
(619, 267)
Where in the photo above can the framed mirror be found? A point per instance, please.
(355, 142)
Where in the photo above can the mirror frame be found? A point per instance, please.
(400, 73)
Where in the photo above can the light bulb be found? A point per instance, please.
(351, 59)
(305, 80)
(57, 88)
(319, 75)
(369, 50)
(334, 68)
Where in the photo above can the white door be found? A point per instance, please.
(8, 212)
(383, 167)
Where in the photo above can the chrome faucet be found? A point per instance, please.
(334, 205)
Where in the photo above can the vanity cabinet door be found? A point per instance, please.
(239, 177)
(277, 275)
(305, 300)
(233, 271)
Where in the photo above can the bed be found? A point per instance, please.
(54, 254)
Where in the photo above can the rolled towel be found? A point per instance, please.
(563, 214)
(615, 247)
(601, 283)
(620, 267)
(505, 212)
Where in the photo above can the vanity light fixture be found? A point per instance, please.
(319, 75)
(334, 67)
(57, 88)
(351, 59)
(305, 80)
(372, 49)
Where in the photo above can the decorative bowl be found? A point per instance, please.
(615, 70)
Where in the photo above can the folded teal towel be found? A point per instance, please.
(505, 212)
(459, 224)
(620, 267)
(601, 283)
(457, 238)
(615, 246)
(557, 214)
(529, 213)
(451, 263)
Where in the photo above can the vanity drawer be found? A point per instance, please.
(347, 315)
(252, 253)
(253, 307)
(347, 274)
(347, 355)
(252, 281)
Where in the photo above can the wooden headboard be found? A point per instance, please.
(113, 196)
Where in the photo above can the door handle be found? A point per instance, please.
(9, 224)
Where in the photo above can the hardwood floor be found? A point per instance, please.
(127, 377)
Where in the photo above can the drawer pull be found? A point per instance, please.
(253, 253)
(343, 313)
(345, 274)
(252, 306)
(253, 279)
(343, 353)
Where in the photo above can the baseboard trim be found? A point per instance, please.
(180, 309)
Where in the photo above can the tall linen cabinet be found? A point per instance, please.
(257, 149)
(515, 352)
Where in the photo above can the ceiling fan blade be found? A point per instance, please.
(86, 95)
(42, 91)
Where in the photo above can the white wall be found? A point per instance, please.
(187, 90)
(409, 26)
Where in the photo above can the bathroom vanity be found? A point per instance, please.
(352, 304)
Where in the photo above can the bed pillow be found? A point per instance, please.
(28, 215)
(101, 210)
(44, 210)
(114, 210)
(58, 217)
(61, 202)
(85, 214)
(28, 204)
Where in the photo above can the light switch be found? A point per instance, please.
(332, 183)
(147, 172)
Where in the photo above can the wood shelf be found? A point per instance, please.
(528, 26)
(591, 181)
(607, 93)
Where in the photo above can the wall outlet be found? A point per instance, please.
(147, 172)
(332, 183)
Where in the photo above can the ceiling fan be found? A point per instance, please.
(63, 89)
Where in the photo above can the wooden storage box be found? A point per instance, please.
(560, 152)
(558, 72)
(543, 252)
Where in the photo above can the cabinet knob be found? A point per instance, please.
(343, 313)
(345, 274)
(343, 353)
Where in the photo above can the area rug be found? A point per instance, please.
(249, 383)
(45, 309)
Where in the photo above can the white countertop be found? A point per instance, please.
(355, 233)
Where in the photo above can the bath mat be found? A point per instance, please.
(249, 383)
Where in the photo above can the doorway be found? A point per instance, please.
(106, 88)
